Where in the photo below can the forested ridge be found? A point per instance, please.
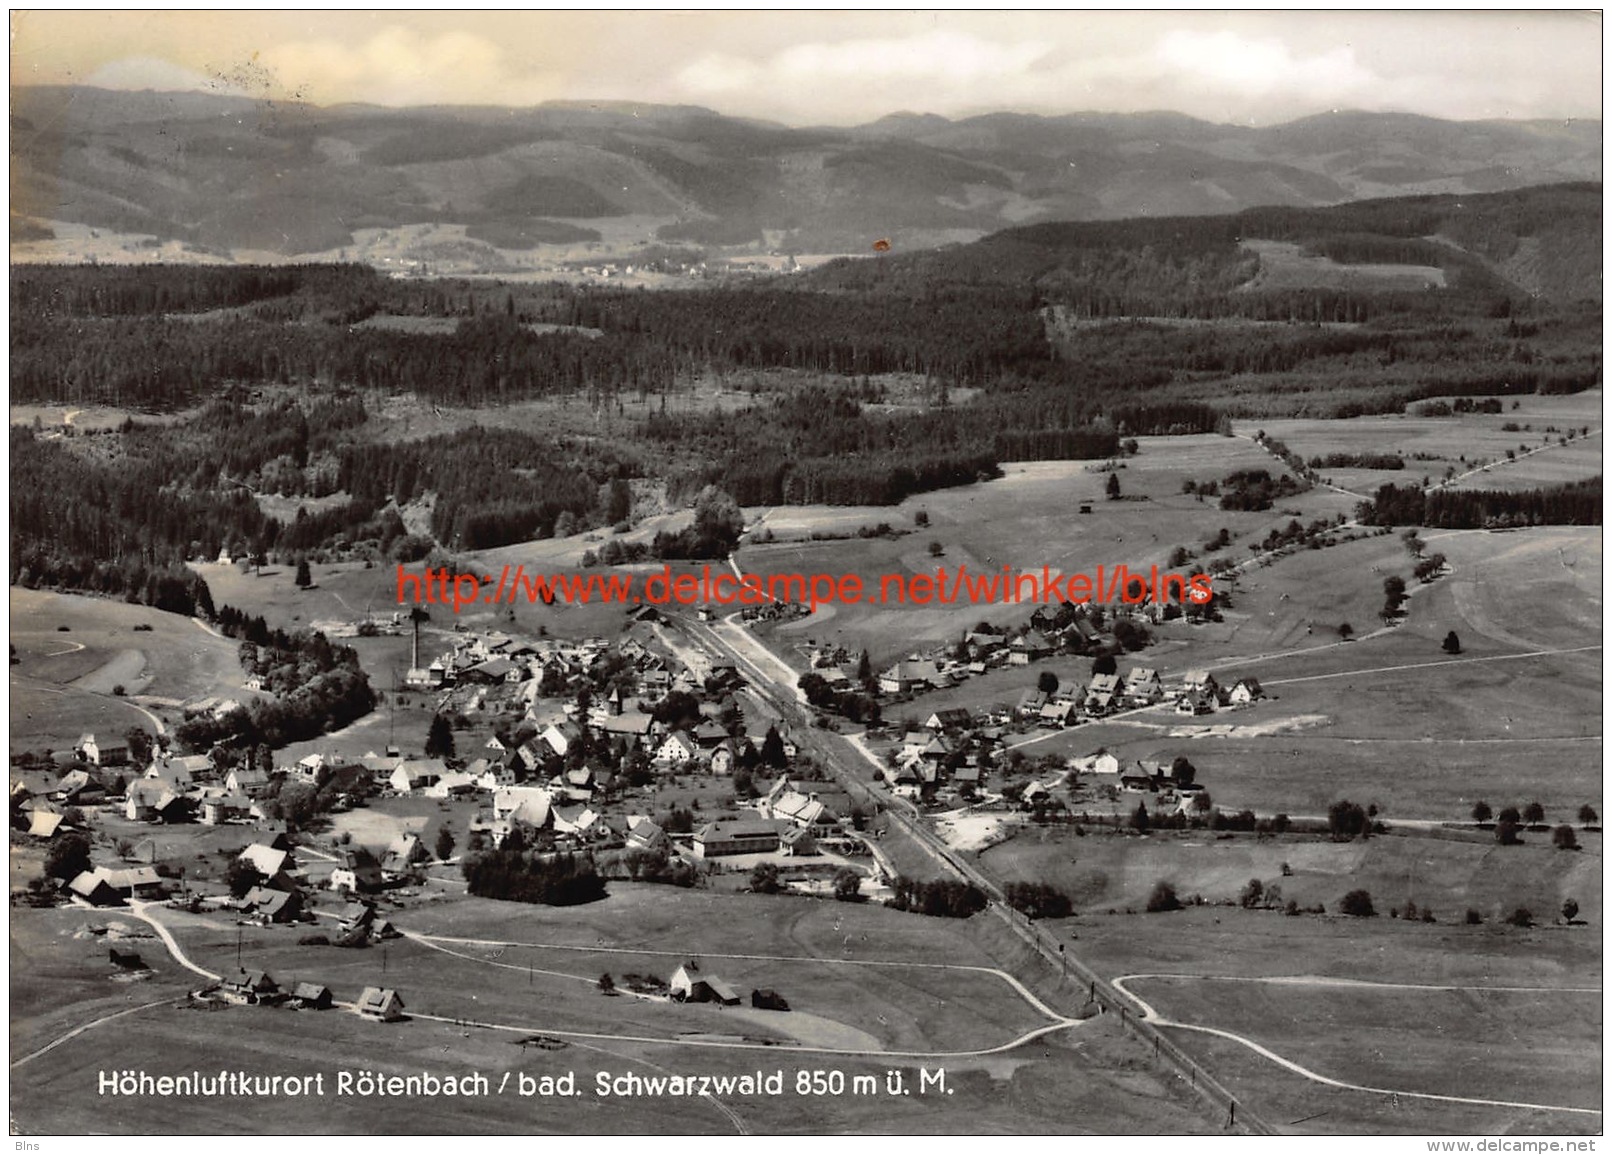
(1054, 341)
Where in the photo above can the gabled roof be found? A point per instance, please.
(266, 860)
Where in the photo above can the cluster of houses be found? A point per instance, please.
(258, 988)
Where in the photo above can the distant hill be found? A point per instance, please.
(225, 174)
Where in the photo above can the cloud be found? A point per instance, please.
(399, 65)
(845, 75)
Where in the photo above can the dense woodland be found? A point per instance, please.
(1055, 341)
(1575, 503)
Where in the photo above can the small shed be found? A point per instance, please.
(128, 960)
(311, 997)
(768, 1000)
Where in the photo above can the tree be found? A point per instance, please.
(140, 746)
(68, 857)
(445, 844)
(1252, 894)
(1104, 664)
(1183, 771)
(1481, 812)
(1393, 595)
(1522, 917)
(1113, 487)
(1511, 814)
(304, 575)
(1346, 819)
(1505, 831)
(847, 885)
(1452, 643)
(607, 985)
(1587, 815)
(1569, 910)
(1563, 838)
(1357, 904)
(1047, 682)
(1139, 818)
(921, 519)
(864, 668)
(1163, 898)
(439, 741)
(1533, 814)
(764, 879)
(772, 749)
(242, 876)
(936, 549)
(1345, 631)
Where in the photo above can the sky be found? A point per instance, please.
(841, 68)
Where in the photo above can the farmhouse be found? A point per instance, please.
(677, 749)
(1196, 702)
(1028, 647)
(278, 906)
(382, 1004)
(958, 719)
(688, 985)
(908, 676)
(276, 866)
(43, 823)
(102, 753)
(417, 775)
(1245, 691)
(92, 887)
(254, 986)
(559, 736)
(735, 836)
(357, 872)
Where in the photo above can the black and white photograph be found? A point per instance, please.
(701, 574)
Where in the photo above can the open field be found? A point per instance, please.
(1547, 1034)
(1026, 519)
(1077, 1079)
(1359, 1034)
(1430, 445)
(62, 684)
(1107, 871)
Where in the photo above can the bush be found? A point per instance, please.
(313, 940)
(1563, 838)
(764, 879)
(1522, 916)
(1473, 918)
(847, 885)
(1357, 904)
(1163, 898)
(1252, 894)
